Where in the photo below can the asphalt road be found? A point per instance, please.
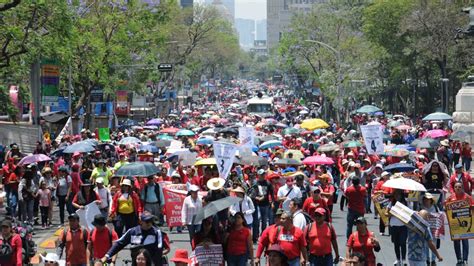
(386, 256)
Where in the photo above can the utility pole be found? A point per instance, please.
(69, 85)
(35, 83)
(444, 94)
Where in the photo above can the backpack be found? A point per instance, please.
(6, 251)
(310, 226)
(63, 240)
(307, 217)
(110, 236)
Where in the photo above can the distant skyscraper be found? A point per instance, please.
(261, 30)
(228, 4)
(186, 3)
(246, 30)
(279, 14)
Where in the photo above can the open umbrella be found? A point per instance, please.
(185, 133)
(316, 160)
(35, 158)
(80, 146)
(399, 167)
(214, 207)
(149, 148)
(137, 169)
(165, 137)
(460, 136)
(288, 161)
(425, 143)
(436, 133)
(296, 154)
(437, 116)
(312, 124)
(290, 131)
(368, 109)
(270, 144)
(397, 152)
(154, 122)
(169, 130)
(207, 161)
(104, 146)
(129, 140)
(229, 130)
(328, 147)
(405, 184)
(162, 143)
(352, 144)
(270, 122)
(394, 123)
(205, 141)
(186, 111)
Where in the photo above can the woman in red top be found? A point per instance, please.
(364, 242)
(327, 191)
(239, 242)
(15, 242)
(466, 156)
(12, 183)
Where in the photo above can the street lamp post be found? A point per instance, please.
(338, 67)
(444, 94)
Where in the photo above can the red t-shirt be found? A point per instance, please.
(75, 246)
(237, 241)
(355, 198)
(292, 241)
(379, 186)
(76, 182)
(361, 244)
(13, 177)
(329, 189)
(101, 241)
(16, 259)
(319, 239)
(310, 205)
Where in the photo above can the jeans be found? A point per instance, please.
(125, 221)
(193, 229)
(428, 251)
(416, 263)
(8, 193)
(399, 239)
(351, 217)
(27, 208)
(294, 262)
(44, 215)
(465, 249)
(321, 260)
(255, 225)
(466, 161)
(13, 202)
(264, 218)
(61, 204)
(237, 260)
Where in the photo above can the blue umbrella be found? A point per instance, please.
(270, 144)
(165, 137)
(129, 140)
(399, 167)
(154, 122)
(79, 147)
(185, 132)
(137, 169)
(129, 123)
(405, 146)
(437, 116)
(368, 109)
(149, 148)
(204, 141)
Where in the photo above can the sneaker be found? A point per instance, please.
(460, 263)
(404, 263)
(375, 217)
(433, 263)
(43, 227)
(396, 263)
(382, 233)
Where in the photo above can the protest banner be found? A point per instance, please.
(211, 256)
(86, 215)
(104, 134)
(410, 218)
(224, 154)
(67, 130)
(460, 219)
(381, 203)
(373, 138)
(436, 221)
(174, 195)
(246, 137)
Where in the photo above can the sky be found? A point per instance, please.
(251, 9)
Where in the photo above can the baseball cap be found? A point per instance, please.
(146, 217)
(100, 180)
(279, 212)
(458, 166)
(261, 171)
(320, 211)
(73, 216)
(7, 223)
(361, 220)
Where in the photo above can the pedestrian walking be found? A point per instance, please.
(287, 193)
(104, 196)
(299, 218)
(192, 204)
(355, 195)
(13, 240)
(152, 197)
(126, 207)
(85, 196)
(398, 230)
(264, 240)
(238, 242)
(245, 206)
(363, 241)
(101, 239)
(74, 240)
(44, 196)
(321, 236)
(64, 193)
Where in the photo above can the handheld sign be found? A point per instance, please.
(373, 138)
(224, 154)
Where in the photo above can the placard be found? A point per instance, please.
(211, 256)
(86, 215)
(410, 218)
(224, 154)
(381, 203)
(460, 219)
(373, 138)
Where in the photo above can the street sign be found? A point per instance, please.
(165, 67)
(97, 94)
(49, 82)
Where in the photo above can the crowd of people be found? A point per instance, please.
(285, 205)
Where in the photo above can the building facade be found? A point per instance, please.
(186, 3)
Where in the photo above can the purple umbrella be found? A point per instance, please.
(34, 159)
(154, 122)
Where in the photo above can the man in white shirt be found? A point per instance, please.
(245, 206)
(104, 195)
(288, 192)
(299, 219)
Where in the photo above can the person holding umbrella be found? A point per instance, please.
(126, 207)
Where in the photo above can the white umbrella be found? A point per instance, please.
(186, 111)
(303, 112)
(405, 184)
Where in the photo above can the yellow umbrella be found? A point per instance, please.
(297, 154)
(312, 124)
(207, 161)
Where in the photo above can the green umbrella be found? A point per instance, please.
(290, 131)
(368, 109)
(352, 144)
(185, 132)
(165, 137)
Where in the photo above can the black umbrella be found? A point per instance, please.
(229, 130)
(162, 143)
(215, 206)
(287, 161)
(399, 167)
(137, 169)
(425, 143)
(103, 145)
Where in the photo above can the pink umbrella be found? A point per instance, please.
(34, 159)
(403, 127)
(318, 159)
(436, 133)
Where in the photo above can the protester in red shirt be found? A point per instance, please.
(239, 244)
(363, 241)
(291, 239)
(264, 240)
(355, 195)
(101, 238)
(320, 236)
(327, 191)
(466, 156)
(74, 239)
(14, 240)
(461, 176)
(316, 201)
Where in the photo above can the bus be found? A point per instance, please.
(261, 106)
